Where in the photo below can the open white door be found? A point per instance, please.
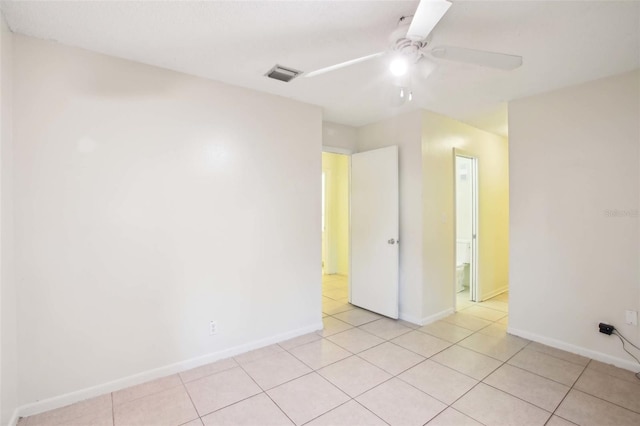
(375, 230)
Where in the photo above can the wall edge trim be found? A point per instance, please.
(404, 316)
(142, 377)
(437, 316)
(495, 292)
(13, 421)
(579, 350)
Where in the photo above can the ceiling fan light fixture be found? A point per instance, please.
(399, 66)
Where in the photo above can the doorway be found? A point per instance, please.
(466, 233)
(335, 229)
(360, 233)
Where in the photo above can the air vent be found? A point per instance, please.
(283, 74)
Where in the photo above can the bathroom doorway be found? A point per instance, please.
(335, 230)
(466, 245)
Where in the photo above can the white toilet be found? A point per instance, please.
(463, 259)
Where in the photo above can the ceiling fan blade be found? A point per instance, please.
(343, 65)
(501, 61)
(427, 16)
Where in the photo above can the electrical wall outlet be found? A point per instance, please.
(606, 328)
(631, 317)
(213, 328)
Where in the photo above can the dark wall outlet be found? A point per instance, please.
(606, 328)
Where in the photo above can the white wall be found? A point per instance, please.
(440, 135)
(8, 325)
(147, 203)
(404, 131)
(336, 135)
(575, 158)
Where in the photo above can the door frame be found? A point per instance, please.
(336, 150)
(475, 285)
(326, 263)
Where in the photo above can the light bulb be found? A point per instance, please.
(398, 66)
(402, 93)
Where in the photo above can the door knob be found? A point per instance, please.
(391, 241)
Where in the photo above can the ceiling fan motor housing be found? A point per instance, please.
(410, 48)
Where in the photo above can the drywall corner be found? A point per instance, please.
(339, 138)
(404, 131)
(8, 301)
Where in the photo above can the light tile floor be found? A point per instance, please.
(363, 369)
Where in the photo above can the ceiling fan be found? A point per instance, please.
(410, 46)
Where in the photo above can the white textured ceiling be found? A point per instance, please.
(563, 43)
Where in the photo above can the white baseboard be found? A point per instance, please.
(136, 379)
(409, 318)
(579, 350)
(494, 293)
(14, 419)
(435, 317)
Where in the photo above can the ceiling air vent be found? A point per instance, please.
(283, 74)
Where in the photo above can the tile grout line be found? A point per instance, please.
(394, 376)
(479, 305)
(634, 381)
(364, 350)
(534, 373)
(262, 391)
(350, 398)
(327, 412)
(569, 391)
(311, 367)
(397, 376)
(457, 411)
(479, 381)
(113, 410)
(462, 396)
(211, 374)
(596, 396)
(517, 397)
(352, 355)
(372, 334)
(367, 408)
(267, 395)
(193, 404)
(572, 387)
(561, 359)
(149, 394)
(285, 382)
(425, 392)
